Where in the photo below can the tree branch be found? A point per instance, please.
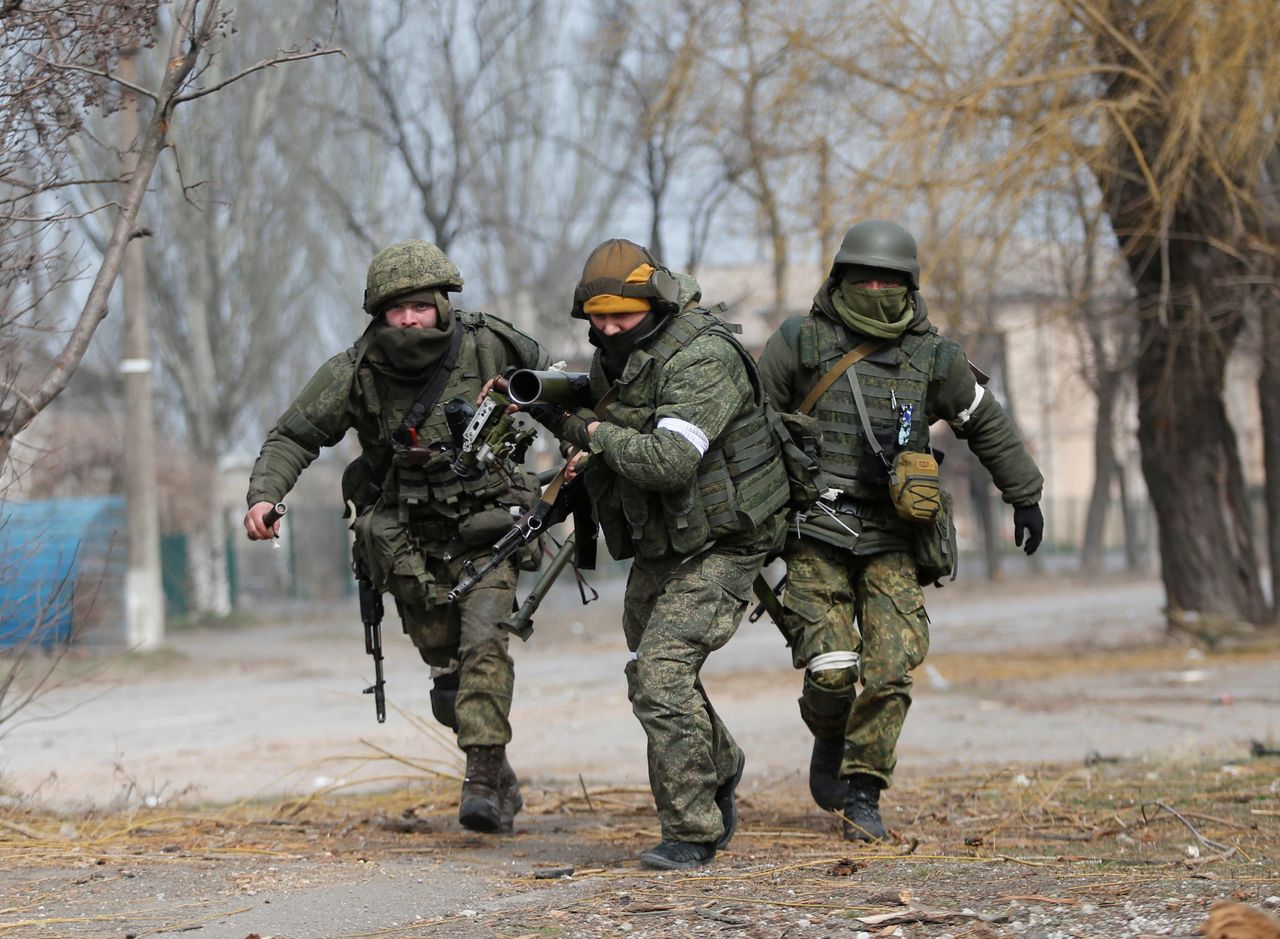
(99, 73)
(265, 63)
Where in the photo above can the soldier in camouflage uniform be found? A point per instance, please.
(684, 475)
(853, 558)
(416, 520)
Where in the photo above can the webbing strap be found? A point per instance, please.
(845, 362)
(866, 421)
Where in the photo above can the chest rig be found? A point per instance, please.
(427, 492)
(895, 384)
(740, 480)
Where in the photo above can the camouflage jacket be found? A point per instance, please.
(341, 396)
(921, 368)
(682, 455)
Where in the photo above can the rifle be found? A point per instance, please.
(371, 616)
(559, 500)
(768, 599)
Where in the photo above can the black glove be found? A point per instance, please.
(564, 424)
(1028, 521)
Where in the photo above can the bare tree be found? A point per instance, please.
(1101, 318)
(509, 162)
(59, 61)
(1170, 105)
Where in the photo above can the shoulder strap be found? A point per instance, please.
(866, 421)
(845, 362)
(426, 401)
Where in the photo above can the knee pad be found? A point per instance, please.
(829, 690)
(444, 698)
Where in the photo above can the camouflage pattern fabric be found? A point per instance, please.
(462, 634)
(677, 611)
(419, 572)
(827, 591)
(407, 266)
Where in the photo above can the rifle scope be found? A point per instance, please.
(526, 385)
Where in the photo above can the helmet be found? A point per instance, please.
(880, 244)
(405, 267)
(622, 277)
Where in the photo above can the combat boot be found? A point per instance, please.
(510, 802)
(825, 784)
(480, 809)
(677, 856)
(862, 820)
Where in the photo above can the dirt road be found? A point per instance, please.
(1001, 830)
(275, 710)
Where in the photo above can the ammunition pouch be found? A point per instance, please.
(485, 527)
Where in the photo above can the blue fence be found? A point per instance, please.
(59, 564)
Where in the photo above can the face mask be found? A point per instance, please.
(617, 348)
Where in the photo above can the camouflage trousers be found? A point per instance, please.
(828, 589)
(676, 612)
(462, 636)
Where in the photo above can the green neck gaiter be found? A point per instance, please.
(880, 313)
(409, 353)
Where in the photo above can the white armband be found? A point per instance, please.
(963, 417)
(690, 432)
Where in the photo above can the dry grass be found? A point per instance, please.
(1080, 851)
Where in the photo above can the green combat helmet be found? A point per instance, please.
(876, 243)
(405, 267)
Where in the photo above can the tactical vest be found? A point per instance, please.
(740, 481)
(893, 377)
(432, 492)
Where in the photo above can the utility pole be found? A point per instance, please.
(144, 592)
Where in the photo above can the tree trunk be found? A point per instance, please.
(1093, 548)
(207, 566)
(1192, 466)
(1132, 556)
(984, 509)
(1269, 399)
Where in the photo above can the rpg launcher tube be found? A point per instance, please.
(526, 385)
(274, 514)
(522, 622)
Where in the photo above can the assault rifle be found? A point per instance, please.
(769, 599)
(559, 500)
(371, 616)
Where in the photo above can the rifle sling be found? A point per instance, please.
(845, 362)
(426, 401)
(764, 593)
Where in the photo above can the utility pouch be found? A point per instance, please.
(914, 486)
(934, 543)
(358, 487)
(800, 438)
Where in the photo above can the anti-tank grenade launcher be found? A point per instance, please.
(486, 433)
(550, 386)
